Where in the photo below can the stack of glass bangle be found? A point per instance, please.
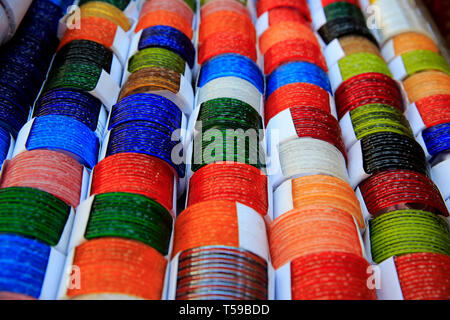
(123, 243)
(426, 83)
(220, 241)
(316, 231)
(38, 187)
(404, 210)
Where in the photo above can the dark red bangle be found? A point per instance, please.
(293, 50)
(401, 189)
(367, 88)
(319, 124)
(296, 95)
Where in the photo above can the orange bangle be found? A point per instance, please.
(218, 218)
(327, 190)
(151, 79)
(226, 21)
(411, 41)
(95, 29)
(119, 266)
(176, 6)
(312, 229)
(425, 84)
(165, 18)
(285, 31)
(106, 11)
(357, 44)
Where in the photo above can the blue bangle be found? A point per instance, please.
(232, 65)
(168, 38)
(5, 142)
(295, 72)
(72, 103)
(144, 137)
(437, 138)
(24, 62)
(24, 263)
(146, 107)
(55, 132)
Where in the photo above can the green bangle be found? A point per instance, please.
(421, 60)
(74, 76)
(156, 57)
(32, 213)
(374, 118)
(343, 10)
(359, 63)
(192, 4)
(408, 231)
(132, 216)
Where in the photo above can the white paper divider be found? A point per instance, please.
(22, 138)
(441, 177)
(107, 90)
(133, 8)
(334, 73)
(252, 231)
(415, 119)
(283, 283)
(333, 52)
(283, 127)
(262, 24)
(355, 165)
(420, 140)
(116, 70)
(398, 69)
(318, 18)
(53, 273)
(362, 203)
(388, 51)
(367, 245)
(282, 199)
(348, 131)
(102, 122)
(390, 288)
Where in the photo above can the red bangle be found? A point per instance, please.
(235, 181)
(135, 173)
(424, 276)
(367, 88)
(296, 95)
(267, 5)
(284, 14)
(226, 42)
(329, 276)
(434, 110)
(293, 50)
(316, 123)
(395, 189)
